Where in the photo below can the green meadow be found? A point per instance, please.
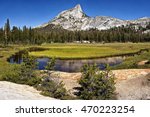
(88, 51)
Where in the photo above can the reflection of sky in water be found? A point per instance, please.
(68, 65)
(42, 62)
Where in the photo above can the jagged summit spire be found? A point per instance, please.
(75, 13)
(78, 7)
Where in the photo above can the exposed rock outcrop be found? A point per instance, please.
(76, 19)
(12, 91)
(131, 84)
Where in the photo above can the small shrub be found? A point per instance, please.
(35, 81)
(51, 64)
(53, 89)
(95, 84)
(12, 74)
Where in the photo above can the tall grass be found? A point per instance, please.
(80, 51)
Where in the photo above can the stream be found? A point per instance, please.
(69, 65)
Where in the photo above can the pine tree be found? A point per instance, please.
(1, 35)
(95, 84)
(7, 32)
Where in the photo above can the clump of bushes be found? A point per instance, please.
(95, 84)
(51, 87)
(25, 74)
(11, 74)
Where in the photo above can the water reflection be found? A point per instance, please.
(69, 65)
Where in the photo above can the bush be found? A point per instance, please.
(11, 74)
(95, 84)
(27, 71)
(51, 64)
(24, 73)
(53, 89)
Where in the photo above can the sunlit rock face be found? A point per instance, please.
(76, 19)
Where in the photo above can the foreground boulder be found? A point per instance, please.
(137, 88)
(12, 91)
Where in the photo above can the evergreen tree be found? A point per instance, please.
(7, 32)
(1, 36)
(96, 84)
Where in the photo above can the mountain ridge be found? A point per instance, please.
(75, 19)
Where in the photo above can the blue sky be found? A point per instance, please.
(36, 12)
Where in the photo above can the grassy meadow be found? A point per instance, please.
(85, 51)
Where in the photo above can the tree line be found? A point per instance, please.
(28, 35)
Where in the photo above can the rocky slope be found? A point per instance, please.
(76, 19)
(12, 91)
(131, 84)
